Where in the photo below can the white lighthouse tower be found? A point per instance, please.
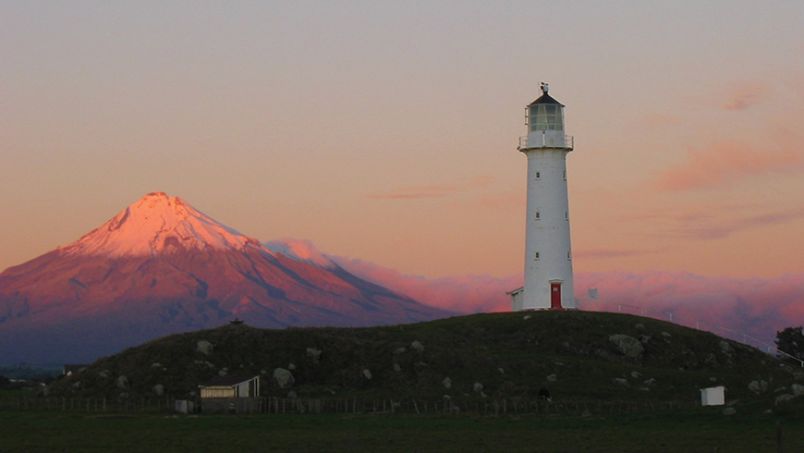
(548, 254)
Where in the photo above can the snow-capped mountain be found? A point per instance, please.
(155, 224)
(161, 266)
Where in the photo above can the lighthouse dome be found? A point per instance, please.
(545, 99)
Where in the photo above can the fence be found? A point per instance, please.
(273, 405)
(133, 405)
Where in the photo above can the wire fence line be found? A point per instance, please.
(275, 405)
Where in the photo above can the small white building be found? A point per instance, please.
(516, 298)
(713, 396)
(231, 387)
(72, 369)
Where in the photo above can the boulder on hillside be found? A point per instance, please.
(758, 386)
(122, 382)
(620, 381)
(314, 354)
(283, 378)
(417, 345)
(627, 345)
(204, 347)
(783, 398)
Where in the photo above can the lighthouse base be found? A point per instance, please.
(548, 301)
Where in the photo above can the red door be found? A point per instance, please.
(555, 296)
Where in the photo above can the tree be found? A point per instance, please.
(791, 341)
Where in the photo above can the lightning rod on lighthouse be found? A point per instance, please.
(548, 253)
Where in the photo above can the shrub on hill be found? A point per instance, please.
(791, 341)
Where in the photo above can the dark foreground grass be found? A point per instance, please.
(689, 432)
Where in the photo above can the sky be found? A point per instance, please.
(386, 131)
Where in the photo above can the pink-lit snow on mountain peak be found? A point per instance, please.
(158, 223)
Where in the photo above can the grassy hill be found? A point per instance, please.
(573, 354)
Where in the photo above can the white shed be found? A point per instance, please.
(713, 396)
(516, 298)
(231, 387)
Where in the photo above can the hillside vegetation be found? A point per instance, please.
(573, 354)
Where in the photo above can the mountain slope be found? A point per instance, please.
(160, 266)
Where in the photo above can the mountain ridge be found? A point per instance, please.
(160, 266)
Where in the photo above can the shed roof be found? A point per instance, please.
(227, 381)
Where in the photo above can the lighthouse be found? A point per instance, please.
(548, 253)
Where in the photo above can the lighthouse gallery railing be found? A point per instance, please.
(546, 141)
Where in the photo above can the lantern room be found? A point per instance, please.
(545, 124)
(545, 113)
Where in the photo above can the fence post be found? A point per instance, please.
(779, 444)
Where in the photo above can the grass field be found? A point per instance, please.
(694, 431)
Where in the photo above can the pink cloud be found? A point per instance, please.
(463, 294)
(298, 249)
(751, 310)
(721, 223)
(745, 96)
(725, 163)
(748, 310)
(433, 190)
